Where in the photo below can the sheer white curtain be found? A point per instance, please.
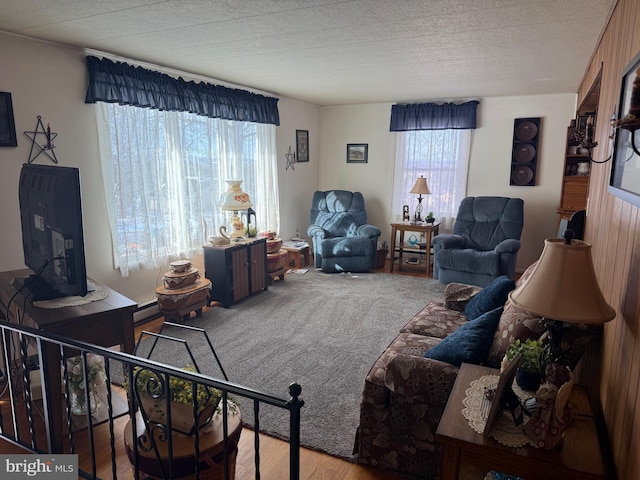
(442, 156)
(164, 173)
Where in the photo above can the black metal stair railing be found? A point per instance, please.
(160, 449)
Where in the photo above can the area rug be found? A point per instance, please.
(323, 331)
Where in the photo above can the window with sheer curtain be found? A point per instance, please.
(442, 157)
(164, 173)
(167, 148)
(433, 141)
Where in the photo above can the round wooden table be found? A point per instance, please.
(184, 451)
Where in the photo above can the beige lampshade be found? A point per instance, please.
(563, 285)
(235, 199)
(420, 186)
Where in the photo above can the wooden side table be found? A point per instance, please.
(579, 457)
(430, 230)
(105, 322)
(298, 255)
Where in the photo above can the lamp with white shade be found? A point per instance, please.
(235, 200)
(420, 188)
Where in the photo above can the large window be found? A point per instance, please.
(442, 156)
(164, 173)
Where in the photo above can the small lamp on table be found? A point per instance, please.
(420, 187)
(235, 200)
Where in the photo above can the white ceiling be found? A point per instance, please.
(332, 52)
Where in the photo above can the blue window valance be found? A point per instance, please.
(430, 116)
(117, 82)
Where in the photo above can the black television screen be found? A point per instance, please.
(52, 238)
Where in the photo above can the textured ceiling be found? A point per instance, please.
(331, 52)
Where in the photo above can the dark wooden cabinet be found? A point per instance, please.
(236, 270)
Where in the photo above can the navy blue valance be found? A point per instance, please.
(117, 82)
(430, 116)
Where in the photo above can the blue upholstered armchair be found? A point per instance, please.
(484, 243)
(342, 240)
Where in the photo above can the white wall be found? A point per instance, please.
(489, 169)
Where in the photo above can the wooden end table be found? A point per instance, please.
(430, 230)
(298, 255)
(578, 458)
(105, 322)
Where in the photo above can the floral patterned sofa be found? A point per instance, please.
(404, 394)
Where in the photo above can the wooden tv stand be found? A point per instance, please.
(106, 323)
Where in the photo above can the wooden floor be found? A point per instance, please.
(274, 453)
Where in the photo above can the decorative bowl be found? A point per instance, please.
(180, 266)
(276, 261)
(173, 281)
(273, 246)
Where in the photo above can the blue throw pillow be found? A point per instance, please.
(470, 343)
(492, 296)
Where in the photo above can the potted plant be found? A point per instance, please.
(574, 139)
(430, 218)
(150, 393)
(528, 374)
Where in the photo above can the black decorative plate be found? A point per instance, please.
(526, 131)
(524, 152)
(521, 175)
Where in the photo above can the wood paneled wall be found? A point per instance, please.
(613, 227)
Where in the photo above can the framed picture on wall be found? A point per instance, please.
(625, 171)
(357, 152)
(302, 145)
(7, 125)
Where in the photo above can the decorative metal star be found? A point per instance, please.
(291, 159)
(47, 148)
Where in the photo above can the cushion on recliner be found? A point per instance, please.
(492, 296)
(470, 343)
(468, 260)
(346, 247)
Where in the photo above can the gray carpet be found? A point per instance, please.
(323, 331)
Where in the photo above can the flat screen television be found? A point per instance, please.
(52, 238)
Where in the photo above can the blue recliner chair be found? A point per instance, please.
(342, 239)
(484, 242)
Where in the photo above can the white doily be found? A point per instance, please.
(476, 408)
(96, 292)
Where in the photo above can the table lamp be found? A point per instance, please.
(420, 187)
(563, 289)
(235, 200)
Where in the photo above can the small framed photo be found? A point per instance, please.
(582, 123)
(7, 125)
(498, 396)
(357, 152)
(302, 145)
